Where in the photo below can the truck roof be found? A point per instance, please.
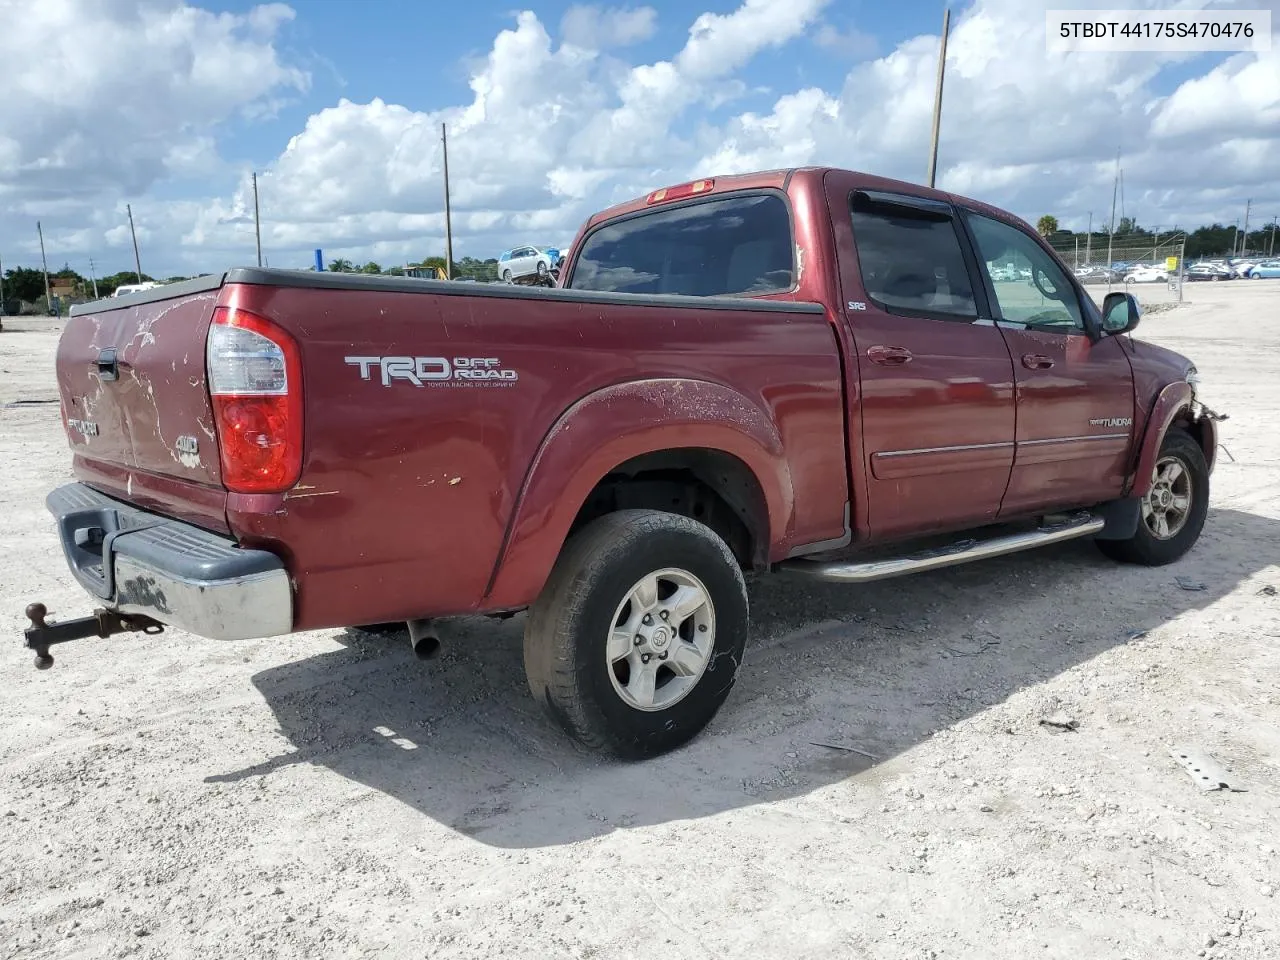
(780, 179)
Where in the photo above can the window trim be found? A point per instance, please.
(1092, 322)
(884, 198)
(693, 202)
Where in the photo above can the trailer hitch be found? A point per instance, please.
(102, 623)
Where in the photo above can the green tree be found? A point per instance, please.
(396, 271)
(371, 267)
(341, 266)
(1047, 226)
(23, 283)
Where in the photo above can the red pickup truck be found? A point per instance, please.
(812, 371)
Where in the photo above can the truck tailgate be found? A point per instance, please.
(135, 402)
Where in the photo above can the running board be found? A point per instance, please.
(966, 551)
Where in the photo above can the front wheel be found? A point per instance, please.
(542, 269)
(636, 639)
(506, 276)
(1172, 513)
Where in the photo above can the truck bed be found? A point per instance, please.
(427, 407)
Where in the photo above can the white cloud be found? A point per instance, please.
(597, 28)
(851, 43)
(555, 129)
(103, 100)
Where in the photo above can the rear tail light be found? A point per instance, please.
(255, 381)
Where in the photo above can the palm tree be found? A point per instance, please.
(1047, 225)
(341, 266)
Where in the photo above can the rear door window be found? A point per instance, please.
(731, 246)
(910, 256)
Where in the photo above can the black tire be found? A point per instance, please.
(1145, 546)
(506, 276)
(542, 269)
(566, 636)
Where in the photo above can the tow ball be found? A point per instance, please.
(102, 623)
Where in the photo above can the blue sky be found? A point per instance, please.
(170, 105)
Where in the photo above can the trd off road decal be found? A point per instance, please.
(433, 371)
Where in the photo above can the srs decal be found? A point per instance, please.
(1112, 422)
(434, 371)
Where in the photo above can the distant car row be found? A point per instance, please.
(1212, 270)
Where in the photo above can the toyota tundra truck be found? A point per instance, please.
(813, 372)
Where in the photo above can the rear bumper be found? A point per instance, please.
(142, 563)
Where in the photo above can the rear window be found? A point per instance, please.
(737, 245)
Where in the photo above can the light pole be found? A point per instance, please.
(45, 265)
(448, 219)
(257, 226)
(137, 263)
(937, 96)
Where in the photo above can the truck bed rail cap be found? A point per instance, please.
(356, 281)
(166, 291)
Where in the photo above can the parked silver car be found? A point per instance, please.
(524, 262)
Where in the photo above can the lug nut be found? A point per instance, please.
(648, 618)
(664, 615)
(702, 628)
(644, 658)
(639, 639)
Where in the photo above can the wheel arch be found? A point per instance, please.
(653, 432)
(1174, 407)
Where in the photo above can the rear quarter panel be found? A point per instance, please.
(407, 493)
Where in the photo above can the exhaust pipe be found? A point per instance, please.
(424, 637)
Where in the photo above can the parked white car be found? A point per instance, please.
(1147, 275)
(125, 289)
(524, 262)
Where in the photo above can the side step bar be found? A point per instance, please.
(966, 551)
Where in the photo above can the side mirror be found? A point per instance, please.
(1120, 313)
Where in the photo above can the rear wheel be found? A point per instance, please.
(542, 269)
(1174, 509)
(635, 642)
(506, 276)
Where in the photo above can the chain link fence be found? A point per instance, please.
(1152, 268)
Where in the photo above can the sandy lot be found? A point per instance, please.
(328, 795)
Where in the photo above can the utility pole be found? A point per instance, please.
(257, 226)
(1244, 237)
(937, 96)
(45, 264)
(1088, 243)
(1, 288)
(1111, 232)
(1271, 247)
(137, 263)
(93, 275)
(448, 219)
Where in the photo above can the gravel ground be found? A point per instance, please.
(879, 785)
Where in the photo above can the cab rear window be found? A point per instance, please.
(730, 246)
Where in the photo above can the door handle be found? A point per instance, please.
(890, 356)
(1033, 361)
